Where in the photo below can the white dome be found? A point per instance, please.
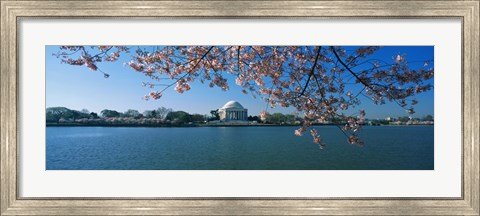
(232, 104)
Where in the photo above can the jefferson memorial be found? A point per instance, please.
(233, 111)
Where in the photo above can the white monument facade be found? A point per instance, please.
(233, 111)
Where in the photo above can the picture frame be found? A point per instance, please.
(13, 11)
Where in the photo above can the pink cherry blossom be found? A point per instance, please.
(263, 115)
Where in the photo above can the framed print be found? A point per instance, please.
(245, 107)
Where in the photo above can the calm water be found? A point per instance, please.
(236, 148)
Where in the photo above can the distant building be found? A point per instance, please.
(233, 111)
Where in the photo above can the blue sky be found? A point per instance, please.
(79, 88)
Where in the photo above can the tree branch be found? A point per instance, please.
(238, 59)
(348, 69)
(196, 64)
(311, 71)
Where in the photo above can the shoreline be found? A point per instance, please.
(204, 125)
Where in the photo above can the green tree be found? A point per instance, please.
(75, 115)
(276, 118)
(290, 118)
(94, 115)
(179, 117)
(215, 115)
(162, 112)
(428, 118)
(54, 114)
(404, 119)
(132, 113)
(198, 118)
(253, 118)
(149, 114)
(109, 113)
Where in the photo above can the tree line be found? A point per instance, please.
(162, 115)
(167, 116)
(425, 120)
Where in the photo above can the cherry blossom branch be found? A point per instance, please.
(193, 68)
(312, 71)
(347, 68)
